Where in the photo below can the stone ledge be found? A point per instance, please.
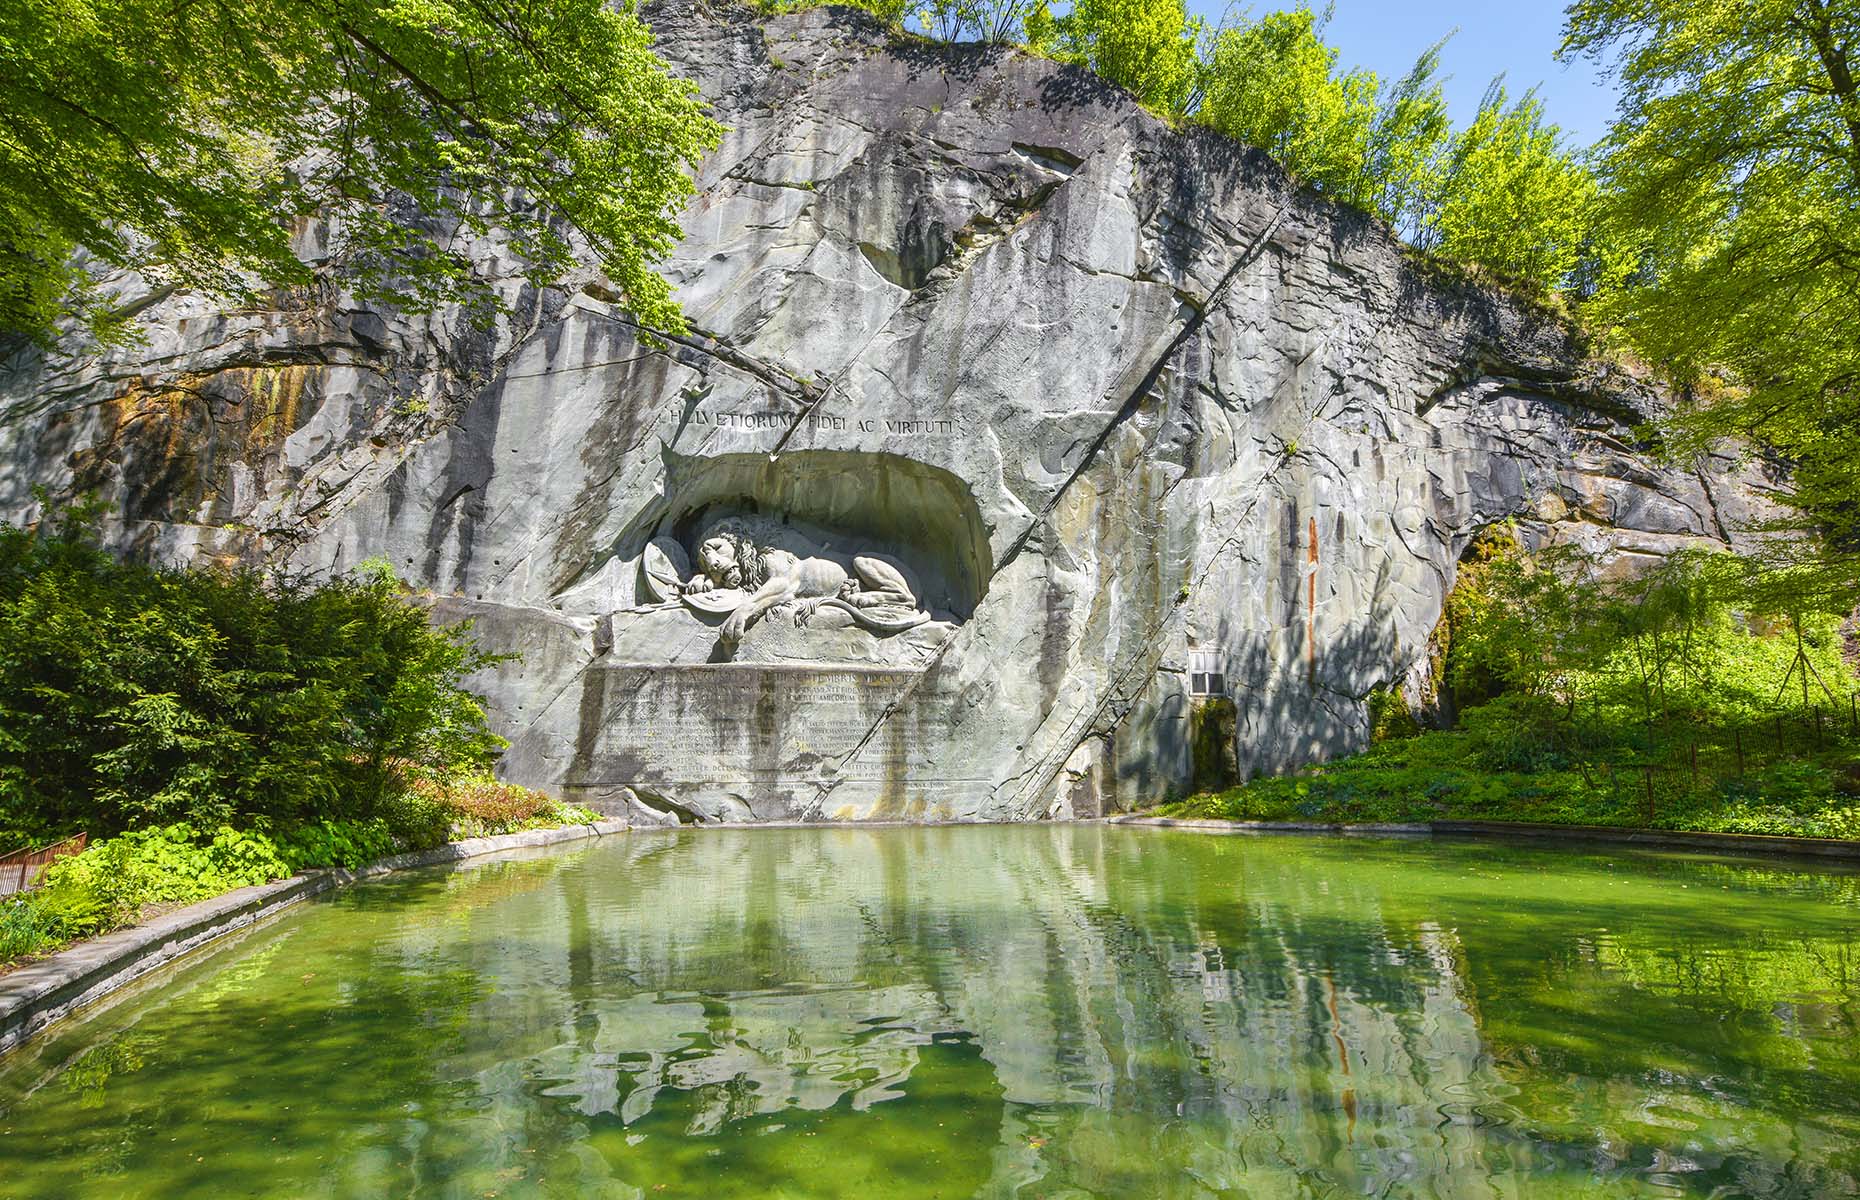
(1661, 839)
(35, 996)
(1215, 825)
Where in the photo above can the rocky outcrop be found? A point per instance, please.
(1127, 415)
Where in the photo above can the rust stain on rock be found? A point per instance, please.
(1311, 570)
(165, 447)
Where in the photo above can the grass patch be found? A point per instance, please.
(1519, 759)
(1698, 695)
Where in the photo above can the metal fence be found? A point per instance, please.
(19, 871)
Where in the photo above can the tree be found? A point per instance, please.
(1521, 622)
(1733, 172)
(132, 696)
(1402, 171)
(1509, 198)
(994, 21)
(1145, 46)
(1272, 83)
(1501, 194)
(195, 143)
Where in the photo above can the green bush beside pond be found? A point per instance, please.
(113, 883)
(216, 729)
(133, 696)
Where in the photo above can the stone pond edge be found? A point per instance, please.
(1659, 839)
(35, 996)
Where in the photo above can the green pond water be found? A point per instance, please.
(1053, 1012)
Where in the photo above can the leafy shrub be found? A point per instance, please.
(133, 696)
(109, 884)
(427, 813)
(1786, 784)
(1515, 733)
(25, 927)
(497, 803)
(481, 806)
(1390, 718)
(420, 820)
(111, 881)
(347, 844)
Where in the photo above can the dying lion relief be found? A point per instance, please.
(748, 569)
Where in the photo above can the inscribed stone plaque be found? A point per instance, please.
(780, 734)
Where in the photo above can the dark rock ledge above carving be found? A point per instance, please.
(1080, 411)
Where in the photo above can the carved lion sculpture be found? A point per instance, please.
(873, 590)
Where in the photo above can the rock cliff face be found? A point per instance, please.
(1120, 414)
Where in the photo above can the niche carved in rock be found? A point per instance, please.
(814, 557)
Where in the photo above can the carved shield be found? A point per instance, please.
(662, 568)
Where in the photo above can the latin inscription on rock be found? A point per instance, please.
(889, 428)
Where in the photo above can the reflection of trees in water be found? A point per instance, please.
(976, 1011)
(1691, 1018)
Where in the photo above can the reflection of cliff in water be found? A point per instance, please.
(1037, 1011)
(1292, 1018)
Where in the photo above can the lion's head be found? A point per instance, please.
(730, 558)
(717, 559)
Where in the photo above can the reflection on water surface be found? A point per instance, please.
(1050, 1012)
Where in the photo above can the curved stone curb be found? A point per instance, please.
(1658, 839)
(37, 995)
